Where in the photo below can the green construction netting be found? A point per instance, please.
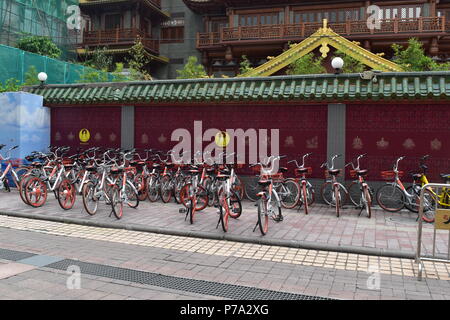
(15, 63)
(36, 17)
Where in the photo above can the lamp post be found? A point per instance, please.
(337, 64)
(42, 76)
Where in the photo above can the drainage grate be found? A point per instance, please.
(12, 255)
(210, 288)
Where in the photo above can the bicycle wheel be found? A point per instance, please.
(90, 201)
(263, 217)
(224, 213)
(207, 184)
(66, 194)
(304, 199)
(328, 194)
(23, 182)
(337, 199)
(153, 189)
(239, 187)
(391, 198)
(192, 209)
(116, 202)
(429, 205)
(187, 193)
(131, 195)
(252, 188)
(166, 189)
(367, 200)
(354, 193)
(141, 186)
(289, 192)
(36, 192)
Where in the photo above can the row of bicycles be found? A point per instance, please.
(124, 178)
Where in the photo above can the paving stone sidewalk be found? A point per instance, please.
(321, 274)
(391, 231)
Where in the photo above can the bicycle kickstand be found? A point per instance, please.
(254, 229)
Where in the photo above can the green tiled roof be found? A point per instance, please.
(311, 88)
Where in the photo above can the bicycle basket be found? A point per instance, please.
(299, 174)
(389, 175)
(67, 161)
(274, 177)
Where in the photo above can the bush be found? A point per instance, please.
(43, 46)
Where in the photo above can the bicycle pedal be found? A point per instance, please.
(255, 204)
(236, 210)
(182, 210)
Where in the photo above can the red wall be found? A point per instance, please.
(390, 131)
(298, 125)
(102, 122)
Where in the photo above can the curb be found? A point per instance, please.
(228, 237)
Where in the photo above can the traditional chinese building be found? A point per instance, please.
(258, 29)
(115, 25)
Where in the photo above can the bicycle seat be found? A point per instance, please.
(283, 169)
(193, 172)
(225, 172)
(37, 164)
(156, 166)
(116, 170)
(2, 146)
(334, 172)
(91, 168)
(69, 166)
(445, 176)
(301, 170)
(222, 177)
(416, 176)
(362, 173)
(264, 183)
(133, 163)
(211, 170)
(170, 165)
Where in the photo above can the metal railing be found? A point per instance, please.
(437, 226)
(297, 31)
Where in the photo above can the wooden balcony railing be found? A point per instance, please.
(120, 37)
(304, 30)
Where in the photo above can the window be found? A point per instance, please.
(113, 21)
(217, 25)
(401, 12)
(333, 16)
(259, 19)
(172, 31)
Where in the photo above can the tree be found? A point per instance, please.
(413, 58)
(351, 65)
(138, 61)
(100, 60)
(308, 64)
(245, 65)
(31, 77)
(43, 46)
(192, 70)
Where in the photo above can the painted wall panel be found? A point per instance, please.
(387, 132)
(103, 124)
(303, 128)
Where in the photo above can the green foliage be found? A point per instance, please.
(43, 46)
(192, 70)
(351, 65)
(100, 60)
(118, 75)
(138, 62)
(31, 77)
(93, 75)
(245, 65)
(10, 85)
(413, 58)
(308, 64)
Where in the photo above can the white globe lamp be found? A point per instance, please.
(337, 64)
